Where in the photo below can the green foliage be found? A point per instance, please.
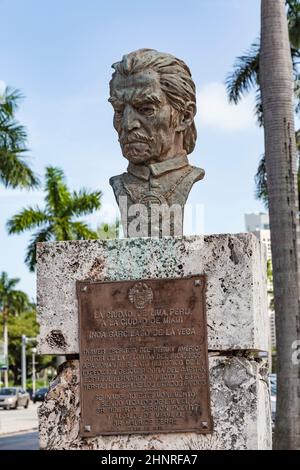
(56, 220)
(245, 77)
(109, 231)
(13, 304)
(261, 191)
(24, 324)
(14, 170)
(12, 301)
(294, 23)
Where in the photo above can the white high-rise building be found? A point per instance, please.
(258, 224)
(255, 222)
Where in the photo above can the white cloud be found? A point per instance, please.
(215, 111)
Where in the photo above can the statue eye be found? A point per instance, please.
(147, 110)
(118, 113)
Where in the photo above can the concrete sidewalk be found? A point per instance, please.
(19, 420)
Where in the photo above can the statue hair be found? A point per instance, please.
(175, 80)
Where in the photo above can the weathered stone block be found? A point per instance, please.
(240, 410)
(235, 266)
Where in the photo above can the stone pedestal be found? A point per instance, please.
(236, 306)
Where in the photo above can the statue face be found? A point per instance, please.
(145, 121)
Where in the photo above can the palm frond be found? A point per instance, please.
(12, 301)
(62, 229)
(297, 93)
(258, 110)
(55, 221)
(27, 219)
(19, 301)
(57, 193)
(84, 202)
(14, 170)
(298, 140)
(293, 15)
(82, 231)
(245, 74)
(261, 182)
(10, 102)
(44, 235)
(12, 134)
(261, 191)
(7, 283)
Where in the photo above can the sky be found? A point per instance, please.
(59, 54)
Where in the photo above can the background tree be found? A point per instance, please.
(57, 220)
(14, 171)
(246, 77)
(277, 89)
(109, 231)
(25, 324)
(12, 302)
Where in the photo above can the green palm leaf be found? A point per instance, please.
(57, 221)
(84, 202)
(14, 170)
(12, 301)
(82, 232)
(294, 22)
(57, 193)
(27, 219)
(10, 102)
(44, 235)
(244, 75)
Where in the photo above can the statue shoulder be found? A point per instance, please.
(197, 174)
(115, 181)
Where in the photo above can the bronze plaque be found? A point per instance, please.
(143, 356)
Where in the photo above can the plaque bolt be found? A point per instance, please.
(87, 428)
(205, 424)
(198, 282)
(84, 289)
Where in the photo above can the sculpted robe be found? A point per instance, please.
(167, 183)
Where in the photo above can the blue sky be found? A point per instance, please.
(59, 54)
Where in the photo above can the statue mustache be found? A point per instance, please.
(136, 137)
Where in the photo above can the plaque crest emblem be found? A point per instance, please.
(140, 295)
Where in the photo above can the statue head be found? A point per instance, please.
(154, 101)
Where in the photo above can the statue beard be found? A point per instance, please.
(136, 147)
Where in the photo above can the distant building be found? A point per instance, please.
(272, 328)
(264, 237)
(259, 225)
(255, 222)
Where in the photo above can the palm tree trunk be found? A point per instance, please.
(281, 164)
(5, 347)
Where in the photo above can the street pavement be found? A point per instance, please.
(24, 441)
(19, 420)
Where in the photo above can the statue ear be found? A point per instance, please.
(187, 116)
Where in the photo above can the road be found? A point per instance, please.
(16, 421)
(25, 441)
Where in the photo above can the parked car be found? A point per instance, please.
(12, 397)
(39, 395)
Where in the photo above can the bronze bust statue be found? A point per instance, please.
(154, 101)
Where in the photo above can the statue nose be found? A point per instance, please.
(130, 119)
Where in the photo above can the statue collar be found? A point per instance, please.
(157, 169)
